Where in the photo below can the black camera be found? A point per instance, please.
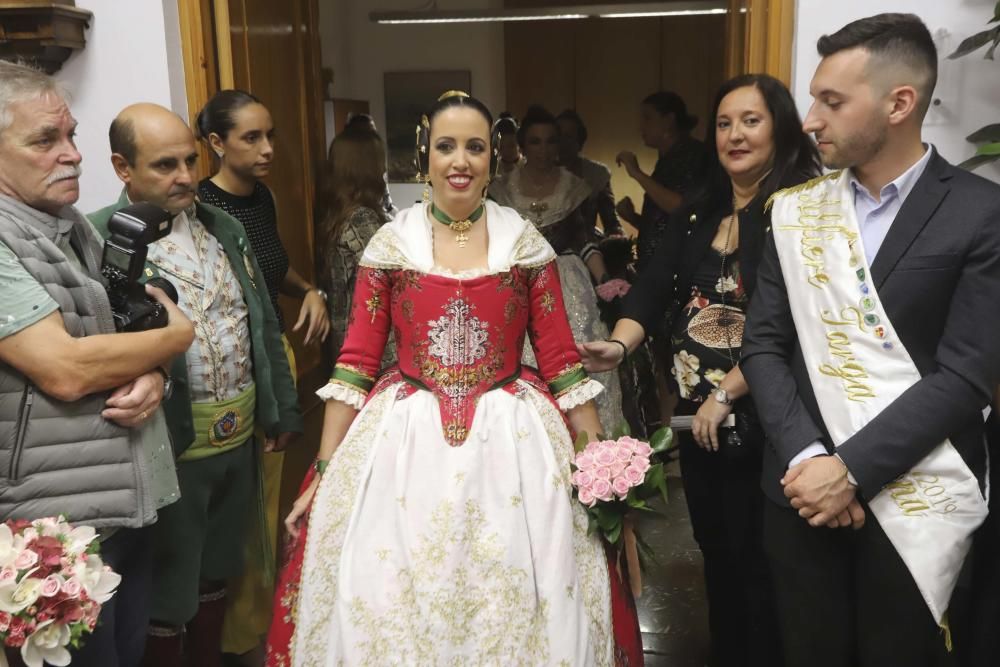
(132, 229)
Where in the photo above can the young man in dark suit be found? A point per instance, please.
(923, 242)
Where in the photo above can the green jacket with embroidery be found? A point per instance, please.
(277, 408)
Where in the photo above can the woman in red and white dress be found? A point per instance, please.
(441, 525)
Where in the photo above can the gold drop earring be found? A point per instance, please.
(427, 189)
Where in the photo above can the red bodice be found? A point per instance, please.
(459, 338)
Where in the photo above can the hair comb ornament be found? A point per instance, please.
(452, 93)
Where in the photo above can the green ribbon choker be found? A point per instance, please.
(445, 219)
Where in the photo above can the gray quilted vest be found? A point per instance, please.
(56, 457)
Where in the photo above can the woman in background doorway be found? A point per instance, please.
(601, 204)
(353, 212)
(549, 196)
(238, 129)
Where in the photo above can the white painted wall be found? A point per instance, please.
(360, 52)
(133, 54)
(969, 88)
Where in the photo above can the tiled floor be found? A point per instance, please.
(672, 610)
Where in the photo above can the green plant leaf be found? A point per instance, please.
(988, 133)
(608, 519)
(662, 439)
(615, 534)
(974, 43)
(996, 13)
(635, 502)
(655, 482)
(989, 149)
(978, 161)
(581, 442)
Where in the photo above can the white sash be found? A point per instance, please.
(857, 367)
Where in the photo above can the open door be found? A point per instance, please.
(270, 49)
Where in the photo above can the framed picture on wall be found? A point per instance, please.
(408, 95)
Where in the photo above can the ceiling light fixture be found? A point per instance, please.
(642, 10)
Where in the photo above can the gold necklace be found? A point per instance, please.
(460, 227)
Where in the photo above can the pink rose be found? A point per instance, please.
(605, 455)
(582, 478)
(617, 470)
(51, 586)
(643, 449)
(602, 473)
(622, 452)
(602, 489)
(4, 621)
(629, 442)
(634, 476)
(72, 587)
(585, 461)
(640, 463)
(26, 560)
(7, 575)
(587, 498)
(592, 447)
(620, 486)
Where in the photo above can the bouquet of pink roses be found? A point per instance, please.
(52, 586)
(614, 477)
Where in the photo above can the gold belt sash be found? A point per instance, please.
(221, 426)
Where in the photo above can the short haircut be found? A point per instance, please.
(668, 102)
(19, 82)
(581, 129)
(893, 39)
(122, 139)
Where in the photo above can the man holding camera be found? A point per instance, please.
(80, 430)
(235, 377)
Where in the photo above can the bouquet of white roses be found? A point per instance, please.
(52, 586)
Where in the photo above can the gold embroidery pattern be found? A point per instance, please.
(532, 250)
(548, 302)
(373, 303)
(331, 511)
(382, 251)
(455, 616)
(591, 564)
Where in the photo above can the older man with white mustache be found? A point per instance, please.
(80, 426)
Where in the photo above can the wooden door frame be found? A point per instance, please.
(767, 38)
(209, 66)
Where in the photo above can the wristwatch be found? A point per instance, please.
(722, 396)
(168, 384)
(322, 293)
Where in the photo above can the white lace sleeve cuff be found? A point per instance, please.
(580, 394)
(344, 393)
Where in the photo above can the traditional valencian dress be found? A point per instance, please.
(443, 531)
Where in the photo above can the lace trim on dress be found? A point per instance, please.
(585, 391)
(345, 393)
